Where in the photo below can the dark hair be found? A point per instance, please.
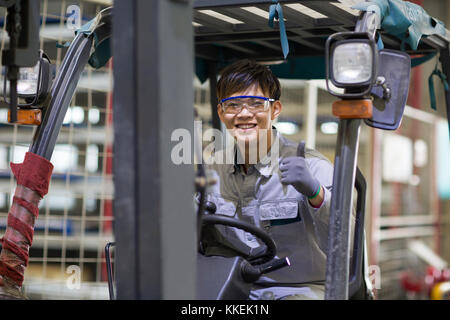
(246, 73)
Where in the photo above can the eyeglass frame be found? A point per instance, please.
(240, 97)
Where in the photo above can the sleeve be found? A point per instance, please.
(322, 170)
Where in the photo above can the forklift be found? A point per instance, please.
(152, 237)
(296, 46)
(378, 100)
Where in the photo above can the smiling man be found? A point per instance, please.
(272, 183)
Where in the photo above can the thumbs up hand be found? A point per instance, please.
(295, 171)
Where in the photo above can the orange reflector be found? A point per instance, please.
(27, 116)
(353, 109)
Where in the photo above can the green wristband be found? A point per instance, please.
(317, 193)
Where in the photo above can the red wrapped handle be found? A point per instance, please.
(33, 179)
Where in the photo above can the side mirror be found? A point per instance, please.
(390, 91)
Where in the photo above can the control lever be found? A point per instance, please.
(252, 273)
(210, 207)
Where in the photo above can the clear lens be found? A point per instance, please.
(252, 104)
(352, 63)
(28, 80)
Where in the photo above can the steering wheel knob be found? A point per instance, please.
(210, 207)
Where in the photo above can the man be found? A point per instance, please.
(272, 183)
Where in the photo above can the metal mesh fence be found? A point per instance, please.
(75, 218)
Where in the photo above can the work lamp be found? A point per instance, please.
(351, 63)
(34, 83)
(27, 85)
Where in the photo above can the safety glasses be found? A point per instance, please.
(254, 104)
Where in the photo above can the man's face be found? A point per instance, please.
(246, 126)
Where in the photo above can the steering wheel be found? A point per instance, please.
(215, 219)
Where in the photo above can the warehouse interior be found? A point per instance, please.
(407, 172)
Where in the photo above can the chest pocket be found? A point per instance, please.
(224, 206)
(279, 212)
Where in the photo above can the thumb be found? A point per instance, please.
(301, 149)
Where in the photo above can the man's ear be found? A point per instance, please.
(276, 109)
(220, 112)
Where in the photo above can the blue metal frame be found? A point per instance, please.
(256, 97)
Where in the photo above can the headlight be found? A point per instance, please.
(351, 63)
(27, 84)
(34, 83)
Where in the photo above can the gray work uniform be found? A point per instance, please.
(258, 197)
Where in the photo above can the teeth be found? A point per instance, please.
(245, 126)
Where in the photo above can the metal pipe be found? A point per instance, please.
(109, 270)
(61, 94)
(338, 256)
